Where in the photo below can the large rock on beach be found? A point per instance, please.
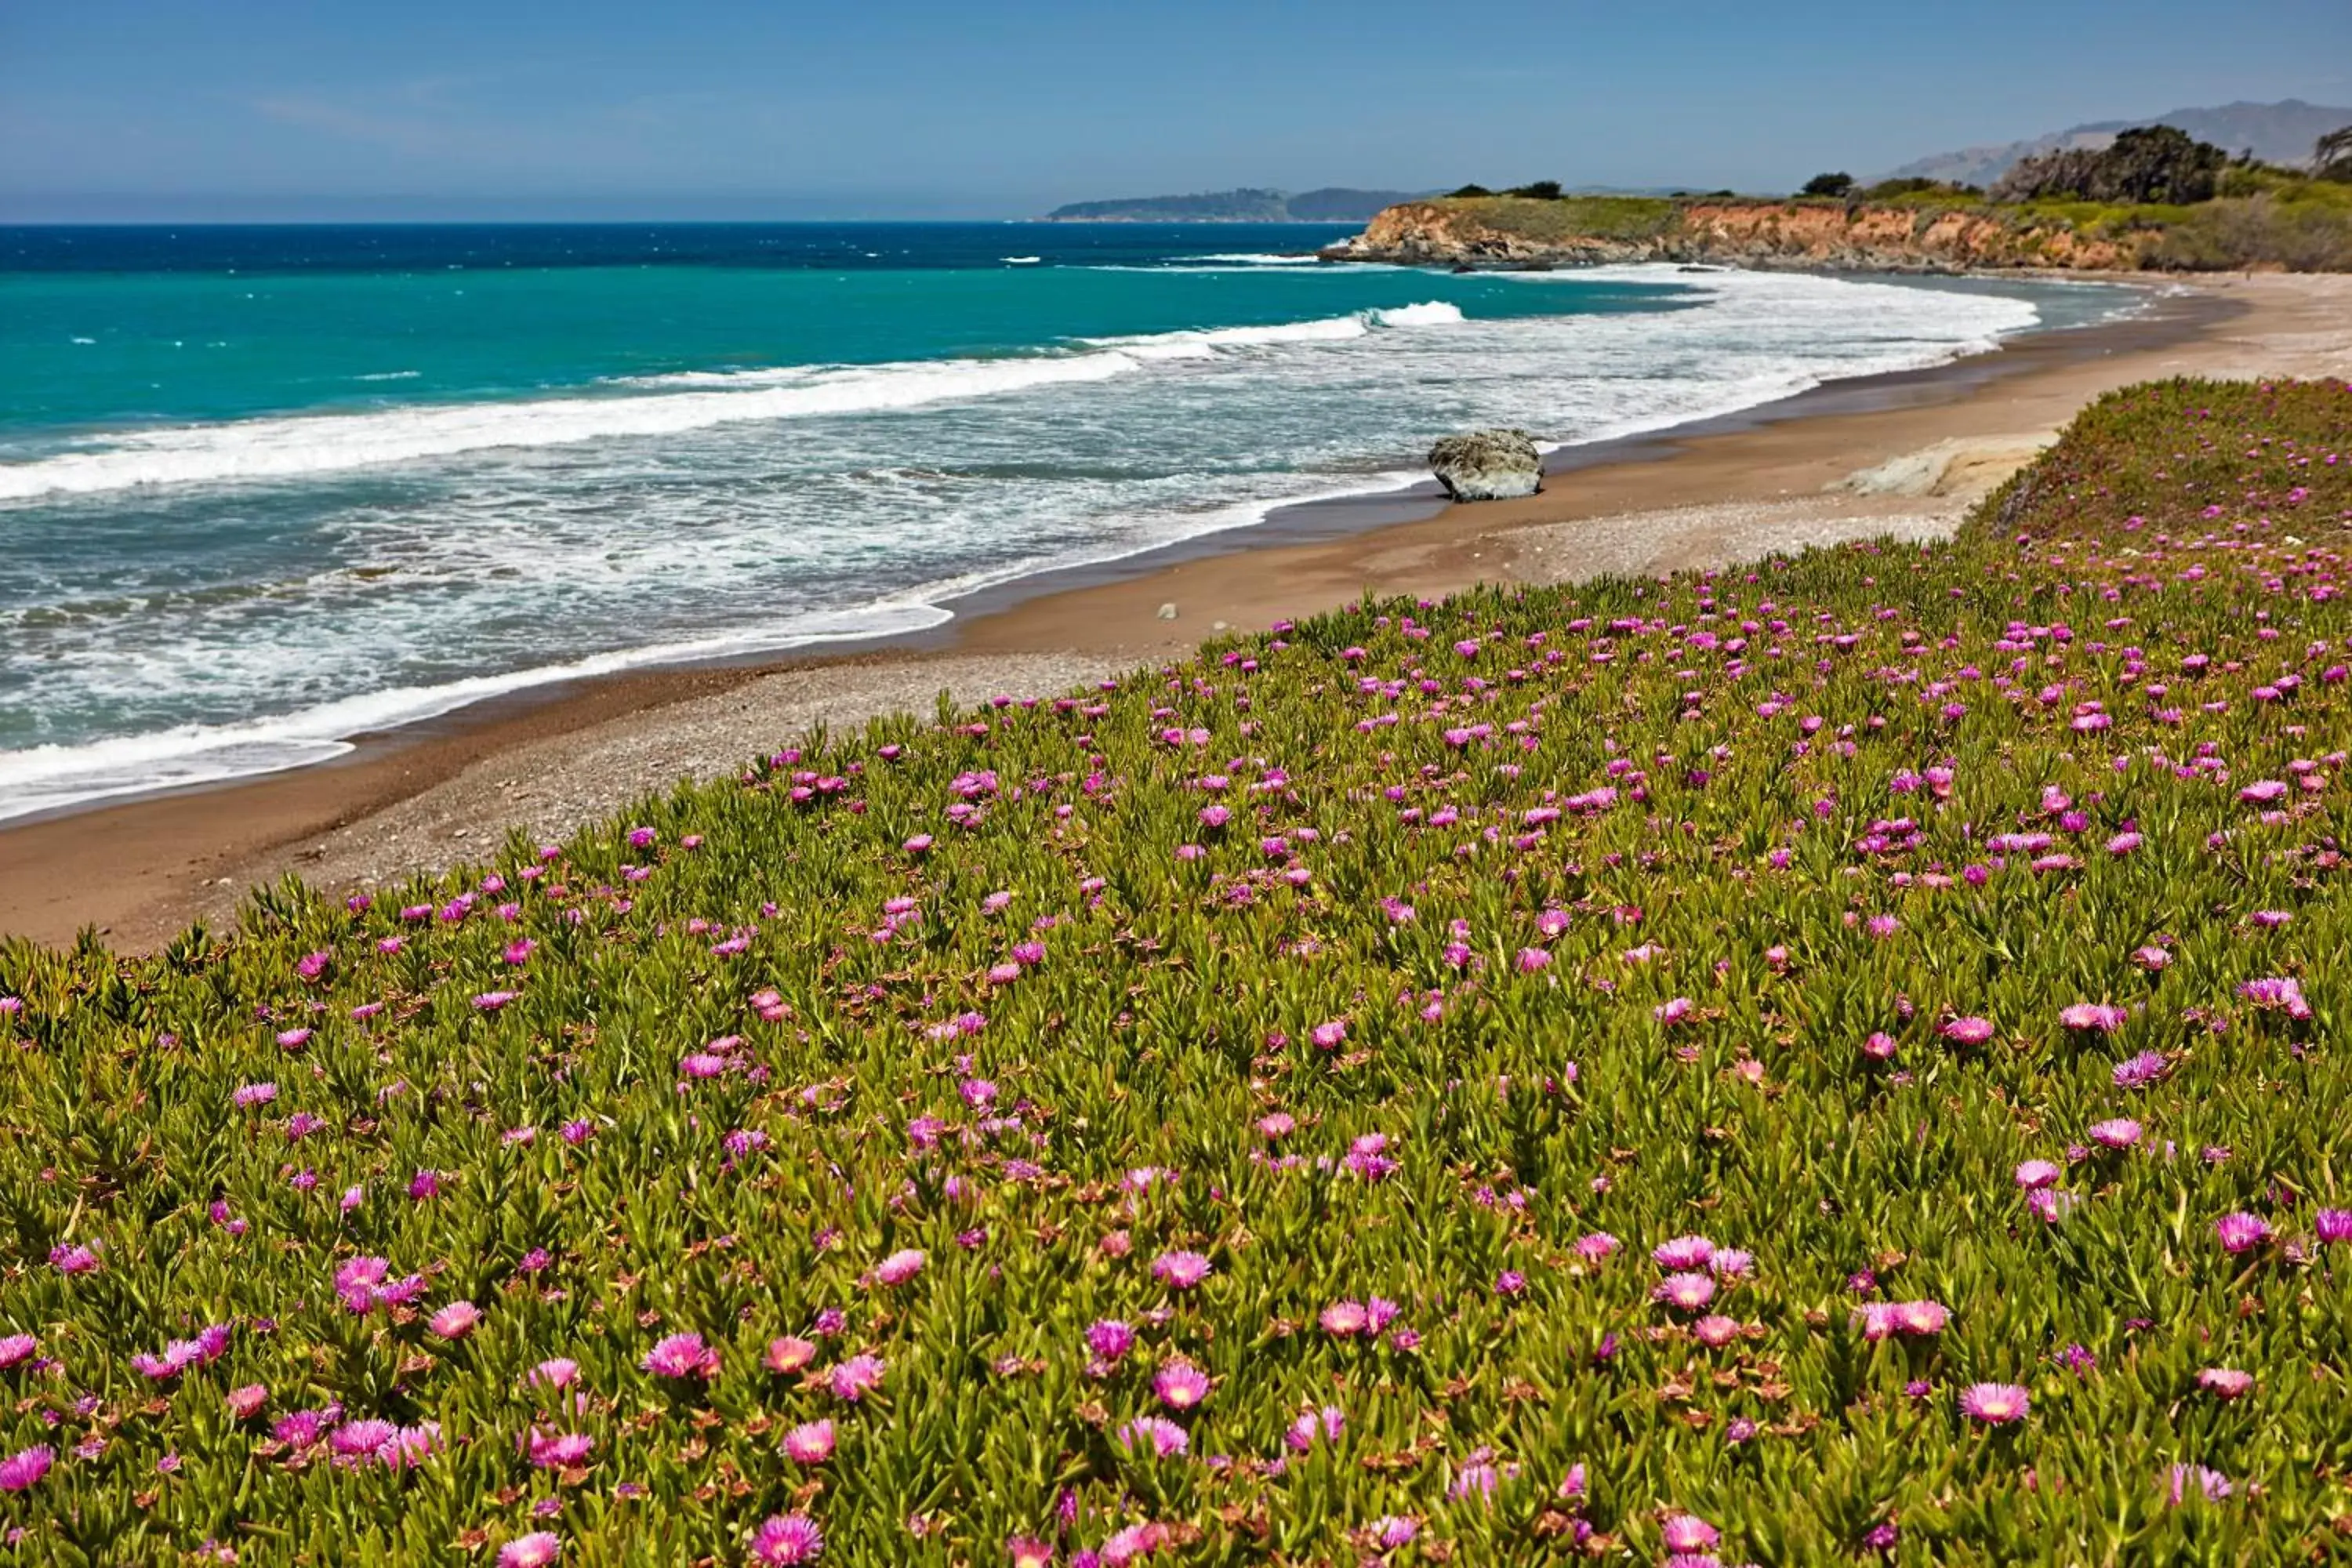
(1487, 465)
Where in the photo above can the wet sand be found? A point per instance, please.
(1925, 445)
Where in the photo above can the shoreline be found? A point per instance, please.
(140, 868)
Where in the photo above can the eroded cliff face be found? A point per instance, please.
(1739, 233)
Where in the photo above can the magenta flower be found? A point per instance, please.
(2225, 1382)
(1688, 1533)
(1110, 1338)
(682, 1356)
(72, 1258)
(456, 1321)
(2139, 1071)
(2212, 1484)
(1163, 1438)
(786, 1541)
(2280, 993)
(1674, 1012)
(1969, 1031)
(1683, 1252)
(537, 1550)
(1598, 1245)
(854, 1379)
(2327, 1225)
(1714, 1331)
(1995, 1404)
(1921, 1320)
(1181, 1270)
(1180, 1386)
(2116, 1133)
(810, 1443)
(2096, 1017)
(2035, 1175)
(560, 1450)
(23, 1470)
(17, 1348)
(1300, 1436)
(789, 1353)
(899, 1267)
(2241, 1231)
(1730, 1263)
(556, 1371)
(1343, 1319)
(1685, 1292)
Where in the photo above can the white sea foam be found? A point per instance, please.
(44, 778)
(1258, 259)
(318, 444)
(692, 399)
(1430, 313)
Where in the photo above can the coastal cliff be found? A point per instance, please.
(1509, 232)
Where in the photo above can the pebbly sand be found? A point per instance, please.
(1904, 456)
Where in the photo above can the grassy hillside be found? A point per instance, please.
(1572, 217)
(1831, 1061)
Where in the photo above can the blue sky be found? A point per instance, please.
(256, 108)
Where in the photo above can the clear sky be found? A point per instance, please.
(259, 108)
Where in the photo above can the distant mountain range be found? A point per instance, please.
(2274, 133)
(1333, 204)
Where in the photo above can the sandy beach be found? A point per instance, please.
(1899, 455)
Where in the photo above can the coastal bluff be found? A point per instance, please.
(1517, 233)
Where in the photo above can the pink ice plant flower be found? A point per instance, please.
(23, 1470)
(854, 1379)
(1180, 1386)
(1181, 1270)
(899, 1267)
(810, 1443)
(2225, 1382)
(1995, 1404)
(539, 1549)
(682, 1356)
(786, 1541)
(2241, 1231)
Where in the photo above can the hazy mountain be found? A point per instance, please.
(1330, 205)
(2274, 133)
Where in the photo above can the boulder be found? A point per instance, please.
(1487, 465)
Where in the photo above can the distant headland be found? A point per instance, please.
(1332, 203)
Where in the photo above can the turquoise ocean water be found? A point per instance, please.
(261, 489)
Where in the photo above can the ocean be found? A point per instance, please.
(262, 489)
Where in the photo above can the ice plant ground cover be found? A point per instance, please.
(1834, 1060)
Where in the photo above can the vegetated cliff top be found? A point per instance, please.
(2262, 217)
(1330, 204)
